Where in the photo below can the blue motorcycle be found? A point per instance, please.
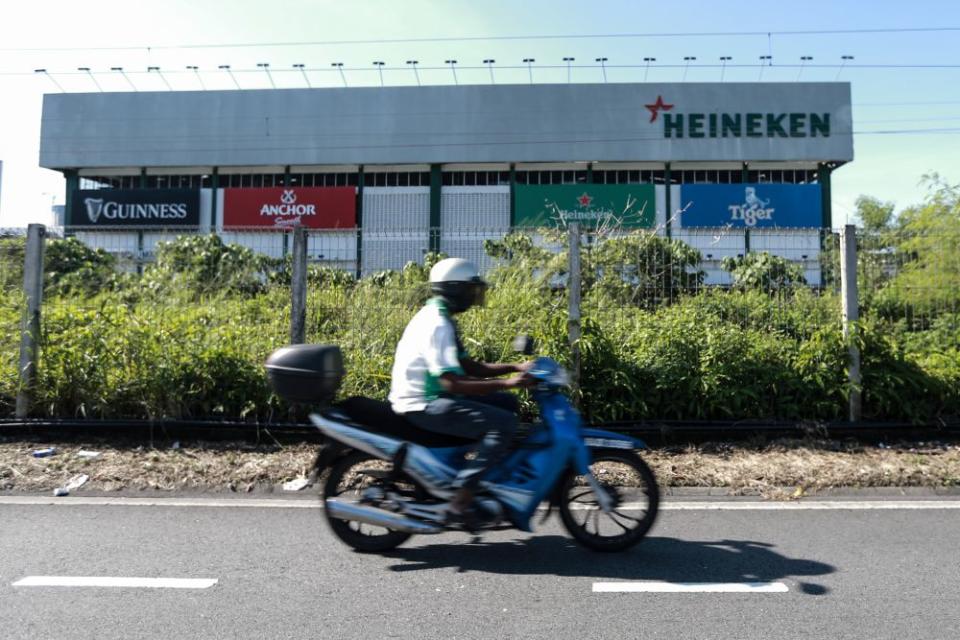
(389, 480)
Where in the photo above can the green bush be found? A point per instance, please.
(11, 262)
(765, 272)
(202, 265)
(642, 268)
(11, 309)
(687, 362)
(72, 268)
(106, 359)
(189, 337)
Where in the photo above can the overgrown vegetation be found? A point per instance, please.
(187, 338)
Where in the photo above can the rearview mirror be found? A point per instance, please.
(523, 344)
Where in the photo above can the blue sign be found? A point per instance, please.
(750, 205)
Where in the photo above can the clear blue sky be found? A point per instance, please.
(887, 166)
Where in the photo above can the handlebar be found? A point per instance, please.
(549, 372)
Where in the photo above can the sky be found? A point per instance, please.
(921, 95)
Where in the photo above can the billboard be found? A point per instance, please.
(592, 205)
(313, 207)
(135, 208)
(615, 122)
(750, 205)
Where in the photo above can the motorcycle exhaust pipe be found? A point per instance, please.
(377, 517)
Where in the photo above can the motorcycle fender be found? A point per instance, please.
(328, 454)
(601, 439)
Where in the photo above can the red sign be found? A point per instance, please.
(313, 207)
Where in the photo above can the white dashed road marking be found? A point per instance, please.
(106, 581)
(689, 587)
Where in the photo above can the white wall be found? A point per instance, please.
(396, 222)
(470, 215)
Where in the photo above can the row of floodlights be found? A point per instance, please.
(766, 60)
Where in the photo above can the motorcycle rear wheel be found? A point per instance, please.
(346, 481)
(632, 485)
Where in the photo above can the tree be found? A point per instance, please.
(927, 268)
(876, 241)
(874, 215)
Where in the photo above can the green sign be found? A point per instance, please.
(592, 205)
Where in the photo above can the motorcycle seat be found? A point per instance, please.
(377, 416)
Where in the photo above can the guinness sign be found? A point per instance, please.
(135, 208)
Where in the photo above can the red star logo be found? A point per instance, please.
(657, 107)
(584, 200)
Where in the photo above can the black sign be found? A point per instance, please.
(135, 208)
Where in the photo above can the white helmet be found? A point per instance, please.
(458, 282)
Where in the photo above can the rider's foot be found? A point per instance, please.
(462, 512)
(461, 501)
(466, 519)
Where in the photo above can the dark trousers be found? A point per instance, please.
(491, 419)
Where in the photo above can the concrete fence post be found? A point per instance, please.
(298, 287)
(30, 328)
(573, 305)
(851, 315)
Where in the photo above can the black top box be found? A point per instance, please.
(308, 373)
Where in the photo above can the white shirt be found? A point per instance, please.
(428, 349)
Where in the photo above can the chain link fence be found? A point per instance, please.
(911, 278)
(670, 323)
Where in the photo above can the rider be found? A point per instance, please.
(432, 374)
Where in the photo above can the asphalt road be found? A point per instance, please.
(848, 573)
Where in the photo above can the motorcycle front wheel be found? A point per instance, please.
(636, 498)
(348, 480)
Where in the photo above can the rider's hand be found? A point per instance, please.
(523, 367)
(522, 381)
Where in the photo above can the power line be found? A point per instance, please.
(645, 65)
(933, 119)
(324, 135)
(571, 36)
(904, 104)
(363, 115)
(493, 143)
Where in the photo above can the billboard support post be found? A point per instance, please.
(71, 184)
(30, 327)
(436, 188)
(298, 287)
(826, 208)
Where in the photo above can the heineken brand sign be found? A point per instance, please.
(616, 122)
(592, 205)
(722, 124)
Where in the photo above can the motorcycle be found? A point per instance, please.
(389, 480)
